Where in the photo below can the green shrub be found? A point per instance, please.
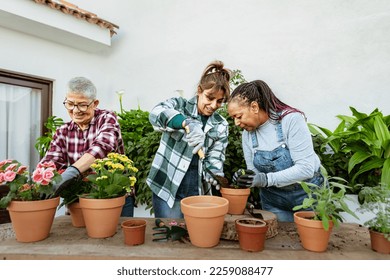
(42, 143)
(359, 148)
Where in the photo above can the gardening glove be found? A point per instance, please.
(243, 178)
(69, 177)
(195, 135)
(260, 180)
(209, 179)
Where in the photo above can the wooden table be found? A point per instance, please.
(348, 242)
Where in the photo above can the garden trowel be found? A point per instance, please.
(222, 181)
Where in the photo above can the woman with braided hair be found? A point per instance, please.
(277, 146)
(188, 126)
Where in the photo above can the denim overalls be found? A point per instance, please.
(280, 200)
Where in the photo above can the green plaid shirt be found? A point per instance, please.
(174, 156)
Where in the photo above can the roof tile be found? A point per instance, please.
(71, 9)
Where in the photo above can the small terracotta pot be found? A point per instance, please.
(76, 214)
(134, 231)
(379, 243)
(312, 234)
(101, 216)
(32, 220)
(204, 216)
(251, 234)
(237, 199)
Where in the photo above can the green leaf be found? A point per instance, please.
(385, 177)
(357, 158)
(367, 166)
(381, 130)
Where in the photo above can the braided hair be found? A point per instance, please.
(261, 93)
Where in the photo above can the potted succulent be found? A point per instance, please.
(111, 180)
(324, 205)
(237, 195)
(30, 200)
(377, 202)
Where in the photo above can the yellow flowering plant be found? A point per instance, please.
(113, 176)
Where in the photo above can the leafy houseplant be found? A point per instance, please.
(71, 194)
(359, 149)
(323, 206)
(327, 200)
(42, 143)
(377, 201)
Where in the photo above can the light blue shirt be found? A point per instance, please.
(298, 139)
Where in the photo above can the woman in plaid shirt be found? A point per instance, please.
(92, 133)
(176, 170)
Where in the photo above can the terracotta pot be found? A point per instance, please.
(237, 199)
(76, 214)
(32, 220)
(312, 234)
(101, 216)
(204, 217)
(251, 234)
(134, 231)
(379, 243)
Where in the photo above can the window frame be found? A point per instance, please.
(44, 85)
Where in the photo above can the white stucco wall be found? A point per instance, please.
(320, 56)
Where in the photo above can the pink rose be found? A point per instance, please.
(9, 176)
(11, 167)
(47, 175)
(43, 176)
(1, 178)
(4, 162)
(38, 175)
(47, 164)
(21, 169)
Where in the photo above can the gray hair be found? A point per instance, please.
(82, 86)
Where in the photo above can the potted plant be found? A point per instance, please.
(324, 205)
(237, 196)
(377, 202)
(29, 200)
(70, 199)
(112, 178)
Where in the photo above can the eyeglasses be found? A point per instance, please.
(82, 107)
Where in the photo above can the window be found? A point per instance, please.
(25, 105)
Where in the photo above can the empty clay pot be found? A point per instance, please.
(134, 231)
(204, 217)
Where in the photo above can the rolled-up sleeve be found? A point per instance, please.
(108, 136)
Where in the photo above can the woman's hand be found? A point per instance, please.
(195, 135)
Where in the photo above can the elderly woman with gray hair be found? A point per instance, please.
(92, 133)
